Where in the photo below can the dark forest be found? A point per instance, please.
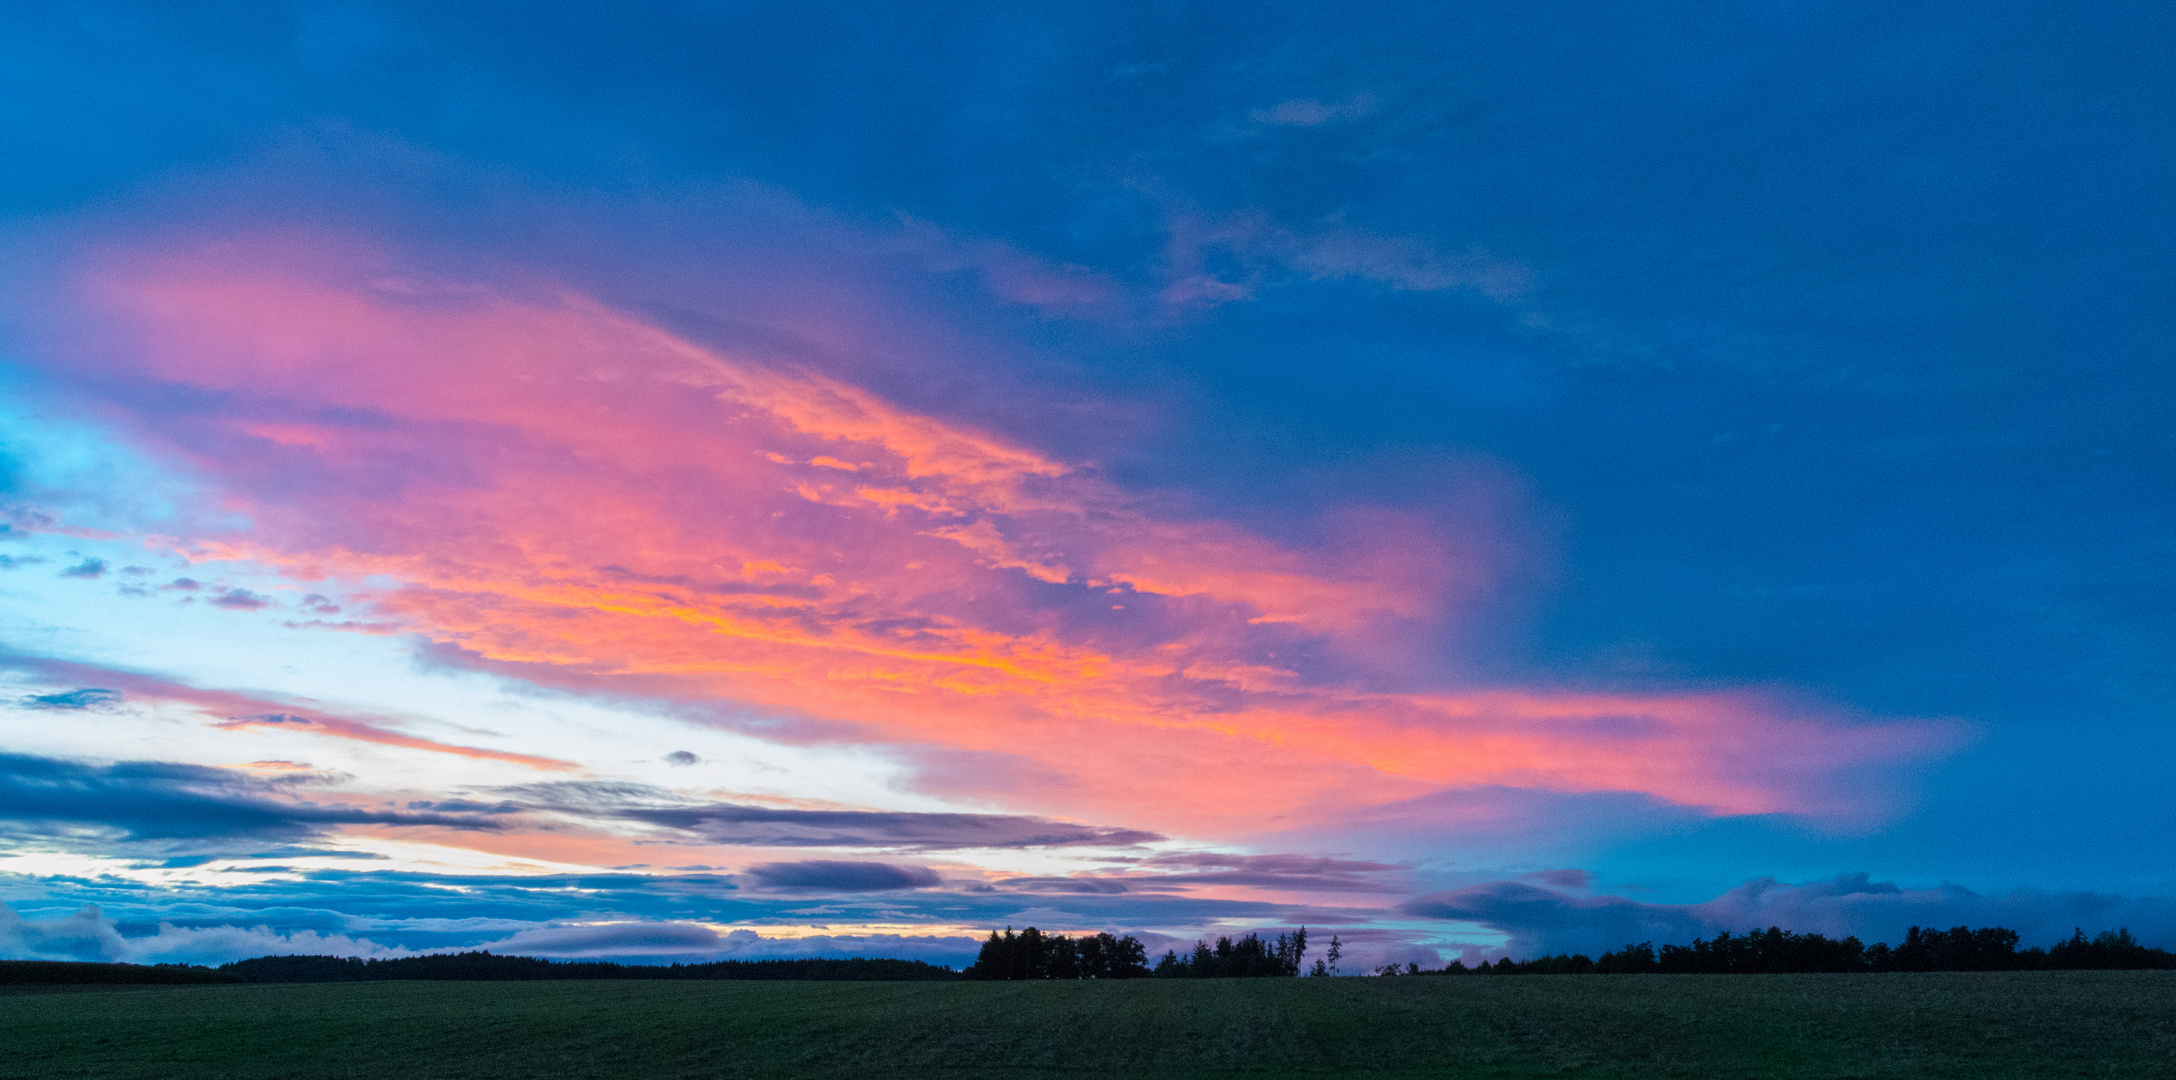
(1776, 951)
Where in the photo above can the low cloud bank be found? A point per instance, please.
(1539, 919)
(89, 935)
(651, 942)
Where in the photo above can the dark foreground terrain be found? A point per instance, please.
(2007, 1024)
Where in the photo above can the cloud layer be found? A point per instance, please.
(1541, 918)
(88, 935)
(149, 801)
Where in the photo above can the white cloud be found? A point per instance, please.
(89, 935)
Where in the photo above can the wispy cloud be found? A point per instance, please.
(1012, 274)
(232, 710)
(1269, 254)
(1309, 112)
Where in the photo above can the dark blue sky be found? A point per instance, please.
(1817, 350)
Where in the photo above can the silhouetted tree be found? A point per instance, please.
(1064, 958)
(1961, 948)
(1631, 960)
(1032, 954)
(1128, 957)
(2110, 950)
(1252, 956)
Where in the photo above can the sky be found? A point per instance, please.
(676, 482)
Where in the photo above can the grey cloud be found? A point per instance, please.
(1539, 920)
(831, 876)
(165, 801)
(738, 824)
(85, 935)
(90, 936)
(241, 600)
(686, 942)
(726, 823)
(1101, 886)
(88, 568)
(1542, 920)
(465, 806)
(682, 757)
(184, 861)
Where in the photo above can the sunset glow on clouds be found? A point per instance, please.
(646, 610)
(554, 489)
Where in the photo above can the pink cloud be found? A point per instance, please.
(559, 488)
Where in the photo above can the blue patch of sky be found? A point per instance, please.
(80, 473)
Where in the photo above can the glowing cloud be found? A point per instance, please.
(541, 485)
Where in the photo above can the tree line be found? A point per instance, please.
(1035, 955)
(491, 967)
(1778, 951)
(78, 973)
(1032, 954)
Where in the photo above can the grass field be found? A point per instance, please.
(2012, 1024)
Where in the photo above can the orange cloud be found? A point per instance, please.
(564, 490)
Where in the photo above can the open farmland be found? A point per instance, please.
(2013, 1024)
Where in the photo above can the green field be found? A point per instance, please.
(2011, 1024)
